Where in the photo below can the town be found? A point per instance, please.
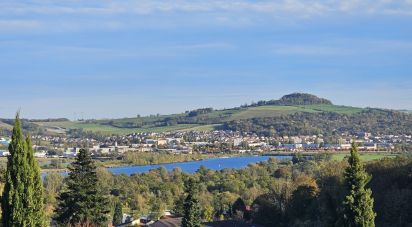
(208, 143)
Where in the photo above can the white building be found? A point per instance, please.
(4, 153)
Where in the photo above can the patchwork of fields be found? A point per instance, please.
(216, 117)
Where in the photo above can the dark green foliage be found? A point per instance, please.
(392, 191)
(239, 205)
(358, 204)
(296, 99)
(22, 200)
(179, 209)
(192, 213)
(118, 214)
(81, 202)
(197, 112)
(309, 193)
(297, 157)
(302, 206)
(332, 193)
(269, 211)
(302, 99)
(328, 123)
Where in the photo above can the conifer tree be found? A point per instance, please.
(358, 204)
(192, 212)
(118, 214)
(82, 203)
(22, 201)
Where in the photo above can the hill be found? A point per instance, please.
(296, 113)
(296, 99)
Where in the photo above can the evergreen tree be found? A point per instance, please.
(22, 200)
(358, 204)
(192, 212)
(238, 208)
(81, 202)
(118, 214)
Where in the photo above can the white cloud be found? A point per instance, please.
(305, 50)
(301, 7)
(342, 47)
(75, 15)
(19, 24)
(199, 46)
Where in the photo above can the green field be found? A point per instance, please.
(364, 156)
(333, 109)
(6, 126)
(107, 129)
(268, 111)
(202, 128)
(274, 111)
(216, 117)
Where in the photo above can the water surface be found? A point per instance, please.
(193, 166)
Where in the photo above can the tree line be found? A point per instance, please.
(381, 122)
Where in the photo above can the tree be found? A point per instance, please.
(358, 204)
(192, 212)
(302, 207)
(22, 200)
(239, 208)
(208, 213)
(118, 214)
(81, 201)
(179, 208)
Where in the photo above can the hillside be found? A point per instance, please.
(283, 116)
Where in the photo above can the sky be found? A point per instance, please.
(106, 59)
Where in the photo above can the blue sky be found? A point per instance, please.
(101, 58)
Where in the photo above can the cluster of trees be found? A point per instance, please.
(139, 158)
(197, 112)
(23, 199)
(327, 123)
(294, 99)
(24, 123)
(317, 192)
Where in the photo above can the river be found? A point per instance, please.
(193, 166)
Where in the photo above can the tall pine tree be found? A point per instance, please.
(358, 204)
(192, 212)
(82, 203)
(22, 201)
(118, 214)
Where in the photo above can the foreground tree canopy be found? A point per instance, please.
(22, 200)
(82, 201)
(192, 210)
(358, 204)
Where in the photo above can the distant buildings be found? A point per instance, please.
(4, 153)
(4, 141)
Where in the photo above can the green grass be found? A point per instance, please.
(6, 126)
(274, 111)
(107, 129)
(333, 108)
(217, 116)
(364, 156)
(202, 128)
(267, 111)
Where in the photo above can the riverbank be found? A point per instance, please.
(171, 159)
(110, 164)
(339, 156)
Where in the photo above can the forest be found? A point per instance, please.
(288, 193)
(298, 192)
(381, 122)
